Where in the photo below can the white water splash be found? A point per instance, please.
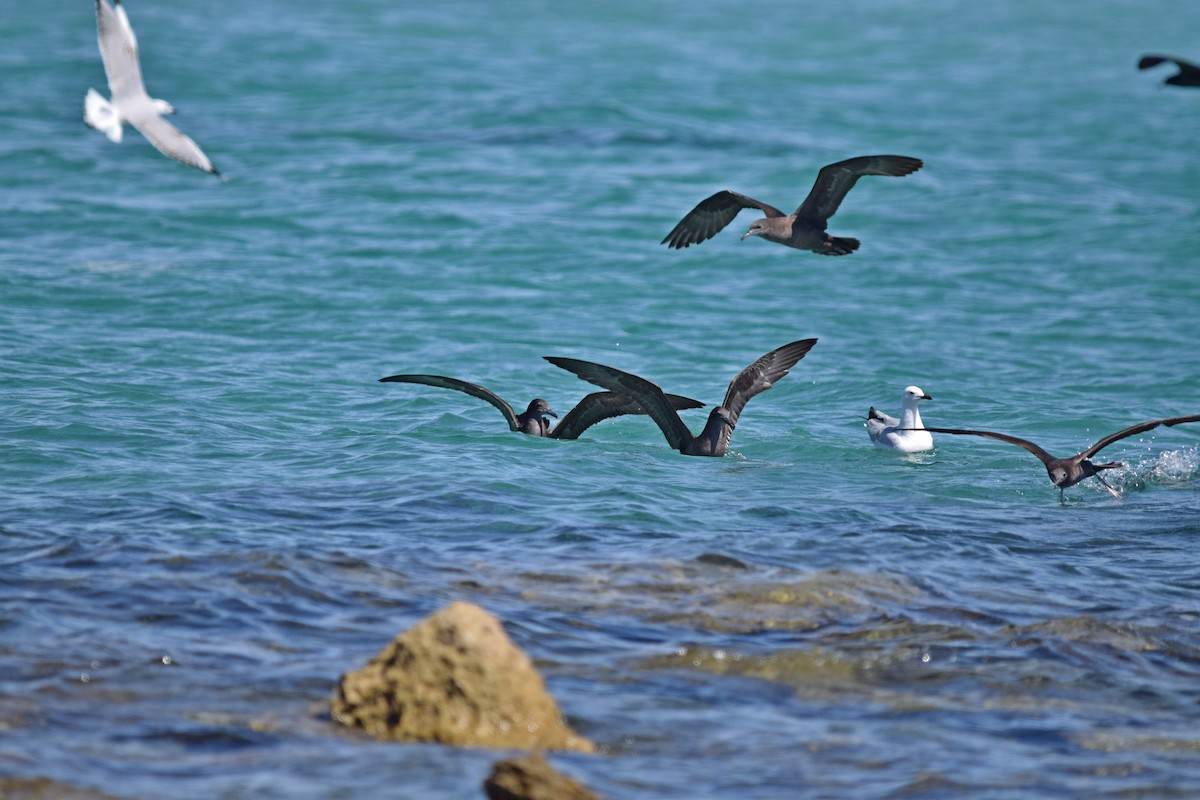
(1167, 467)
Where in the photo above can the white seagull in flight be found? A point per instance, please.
(130, 103)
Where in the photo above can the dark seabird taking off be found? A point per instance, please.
(1066, 472)
(594, 408)
(1188, 75)
(804, 229)
(714, 439)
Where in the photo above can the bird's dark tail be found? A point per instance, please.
(837, 246)
(1109, 465)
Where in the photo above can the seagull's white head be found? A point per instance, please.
(163, 107)
(913, 395)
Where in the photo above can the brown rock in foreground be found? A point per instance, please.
(46, 789)
(455, 678)
(531, 778)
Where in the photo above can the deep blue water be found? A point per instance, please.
(210, 509)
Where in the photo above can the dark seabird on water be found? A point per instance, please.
(714, 439)
(594, 408)
(1066, 472)
(804, 228)
(1188, 75)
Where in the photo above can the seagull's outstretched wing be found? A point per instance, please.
(118, 49)
(835, 180)
(646, 394)
(1136, 429)
(170, 141)
(462, 386)
(711, 215)
(599, 406)
(762, 374)
(1041, 454)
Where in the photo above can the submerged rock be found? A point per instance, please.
(531, 778)
(46, 789)
(455, 678)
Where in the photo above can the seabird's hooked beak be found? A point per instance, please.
(750, 232)
(924, 397)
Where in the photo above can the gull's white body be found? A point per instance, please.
(886, 431)
(130, 103)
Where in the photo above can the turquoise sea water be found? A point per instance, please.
(210, 509)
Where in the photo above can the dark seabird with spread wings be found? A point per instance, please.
(1188, 75)
(714, 439)
(804, 228)
(594, 408)
(1066, 472)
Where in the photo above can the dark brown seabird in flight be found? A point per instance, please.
(714, 439)
(1188, 75)
(1066, 472)
(594, 408)
(804, 228)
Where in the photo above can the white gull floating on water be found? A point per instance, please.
(130, 102)
(890, 433)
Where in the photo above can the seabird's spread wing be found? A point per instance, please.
(762, 374)
(1188, 75)
(1136, 429)
(711, 215)
(454, 383)
(835, 180)
(648, 395)
(170, 141)
(1041, 454)
(1151, 61)
(118, 49)
(600, 406)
